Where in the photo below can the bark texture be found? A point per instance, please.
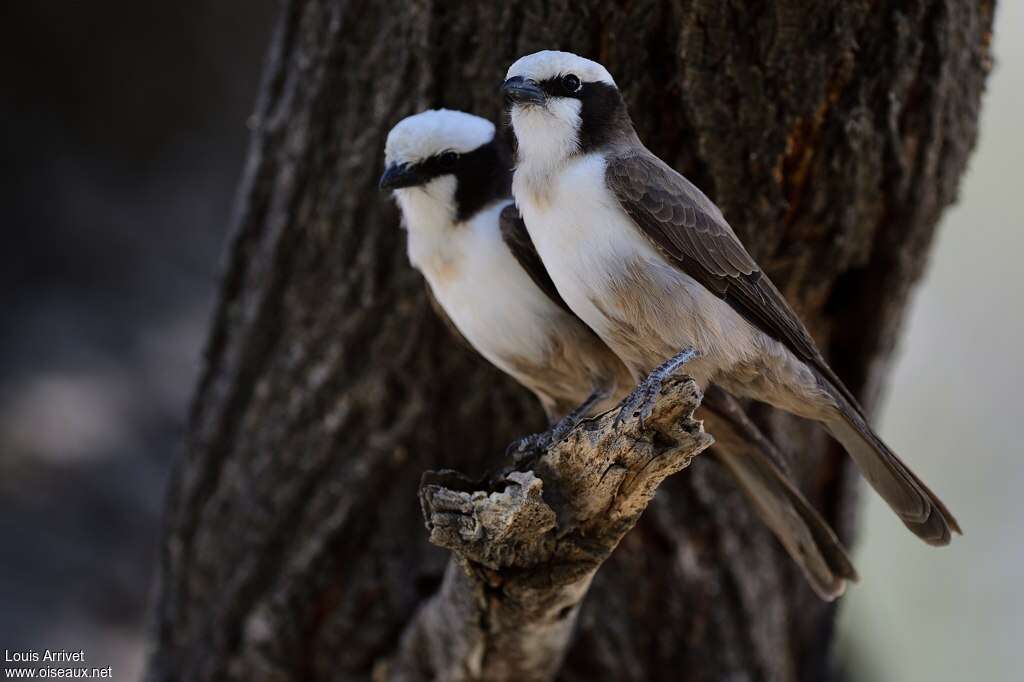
(832, 134)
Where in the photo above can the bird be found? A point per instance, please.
(450, 173)
(650, 263)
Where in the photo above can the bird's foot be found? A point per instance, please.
(534, 445)
(640, 402)
(529, 447)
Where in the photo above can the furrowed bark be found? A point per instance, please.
(832, 134)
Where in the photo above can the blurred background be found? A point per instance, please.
(122, 135)
(123, 131)
(952, 409)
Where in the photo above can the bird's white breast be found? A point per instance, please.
(576, 225)
(616, 281)
(487, 295)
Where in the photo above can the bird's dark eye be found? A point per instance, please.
(448, 159)
(571, 82)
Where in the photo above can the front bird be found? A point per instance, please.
(648, 262)
(451, 178)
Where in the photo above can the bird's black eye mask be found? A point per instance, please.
(481, 176)
(602, 112)
(564, 85)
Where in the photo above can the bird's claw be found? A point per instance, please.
(534, 445)
(529, 447)
(640, 402)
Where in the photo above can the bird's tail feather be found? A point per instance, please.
(804, 534)
(756, 465)
(916, 505)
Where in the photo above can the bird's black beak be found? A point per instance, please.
(519, 90)
(399, 175)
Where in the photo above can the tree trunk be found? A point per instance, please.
(832, 134)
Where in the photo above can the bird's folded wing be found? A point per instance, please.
(687, 226)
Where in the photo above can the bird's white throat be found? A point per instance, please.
(428, 214)
(547, 138)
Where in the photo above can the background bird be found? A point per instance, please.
(451, 176)
(648, 262)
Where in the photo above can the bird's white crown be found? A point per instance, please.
(434, 131)
(541, 66)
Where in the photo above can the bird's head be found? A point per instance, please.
(563, 104)
(449, 160)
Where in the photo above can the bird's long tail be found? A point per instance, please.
(916, 505)
(806, 536)
(751, 459)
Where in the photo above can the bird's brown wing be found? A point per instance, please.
(517, 239)
(690, 229)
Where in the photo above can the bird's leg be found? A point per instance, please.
(536, 444)
(528, 446)
(567, 423)
(640, 403)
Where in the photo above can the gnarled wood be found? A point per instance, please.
(525, 554)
